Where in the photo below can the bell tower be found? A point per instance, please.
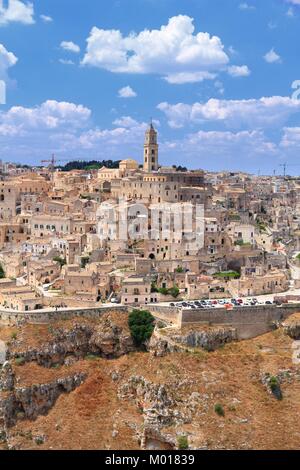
(151, 150)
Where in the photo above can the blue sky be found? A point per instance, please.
(84, 77)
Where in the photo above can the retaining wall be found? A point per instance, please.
(249, 321)
(169, 314)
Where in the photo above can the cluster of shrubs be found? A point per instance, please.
(274, 385)
(219, 410)
(173, 291)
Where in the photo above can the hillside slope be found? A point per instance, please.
(140, 400)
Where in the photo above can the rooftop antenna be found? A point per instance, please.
(284, 165)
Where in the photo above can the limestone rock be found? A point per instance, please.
(209, 340)
(104, 339)
(7, 377)
(30, 402)
(292, 329)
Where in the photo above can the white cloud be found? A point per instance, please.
(291, 138)
(50, 115)
(66, 62)
(290, 13)
(174, 51)
(232, 51)
(239, 71)
(70, 46)
(272, 25)
(7, 60)
(222, 150)
(127, 92)
(46, 18)
(125, 121)
(220, 87)
(28, 134)
(246, 6)
(264, 112)
(16, 11)
(220, 143)
(189, 77)
(272, 57)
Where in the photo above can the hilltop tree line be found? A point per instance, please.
(94, 165)
(89, 165)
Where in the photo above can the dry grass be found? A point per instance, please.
(86, 418)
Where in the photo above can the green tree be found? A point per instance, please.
(154, 287)
(89, 165)
(174, 292)
(141, 325)
(84, 261)
(60, 260)
(179, 270)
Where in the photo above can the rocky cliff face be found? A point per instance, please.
(160, 409)
(163, 343)
(292, 329)
(209, 340)
(18, 402)
(105, 339)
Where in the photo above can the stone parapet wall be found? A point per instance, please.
(168, 314)
(249, 321)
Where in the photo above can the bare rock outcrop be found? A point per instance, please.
(17, 402)
(292, 329)
(104, 339)
(7, 378)
(208, 339)
(110, 340)
(160, 345)
(160, 408)
(152, 399)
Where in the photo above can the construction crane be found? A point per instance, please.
(54, 161)
(285, 166)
